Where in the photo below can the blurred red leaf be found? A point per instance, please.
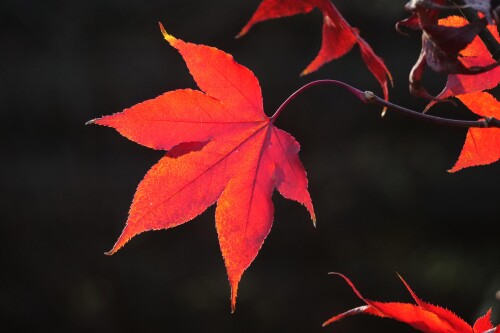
(474, 55)
(422, 316)
(443, 42)
(222, 148)
(338, 36)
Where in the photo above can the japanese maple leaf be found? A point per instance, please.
(482, 145)
(422, 316)
(221, 148)
(443, 42)
(338, 36)
(474, 55)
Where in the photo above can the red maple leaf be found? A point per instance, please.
(474, 55)
(443, 42)
(338, 36)
(422, 316)
(222, 148)
(482, 145)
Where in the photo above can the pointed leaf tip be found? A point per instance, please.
(241, 34)
(111, 252)
(349, 282)
(233, 303)
(168, 38)
(234, 294)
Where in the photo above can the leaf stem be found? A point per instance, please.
(369, 97)
(305, 87)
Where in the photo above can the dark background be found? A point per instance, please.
(383, 198)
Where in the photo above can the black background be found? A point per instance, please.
(383, 198)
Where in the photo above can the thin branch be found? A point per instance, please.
(369, 97)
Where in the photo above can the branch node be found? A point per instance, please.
(369, 96)
(491, 122)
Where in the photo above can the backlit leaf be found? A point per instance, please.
(221, 148)
(422, 316)
(338, 36)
